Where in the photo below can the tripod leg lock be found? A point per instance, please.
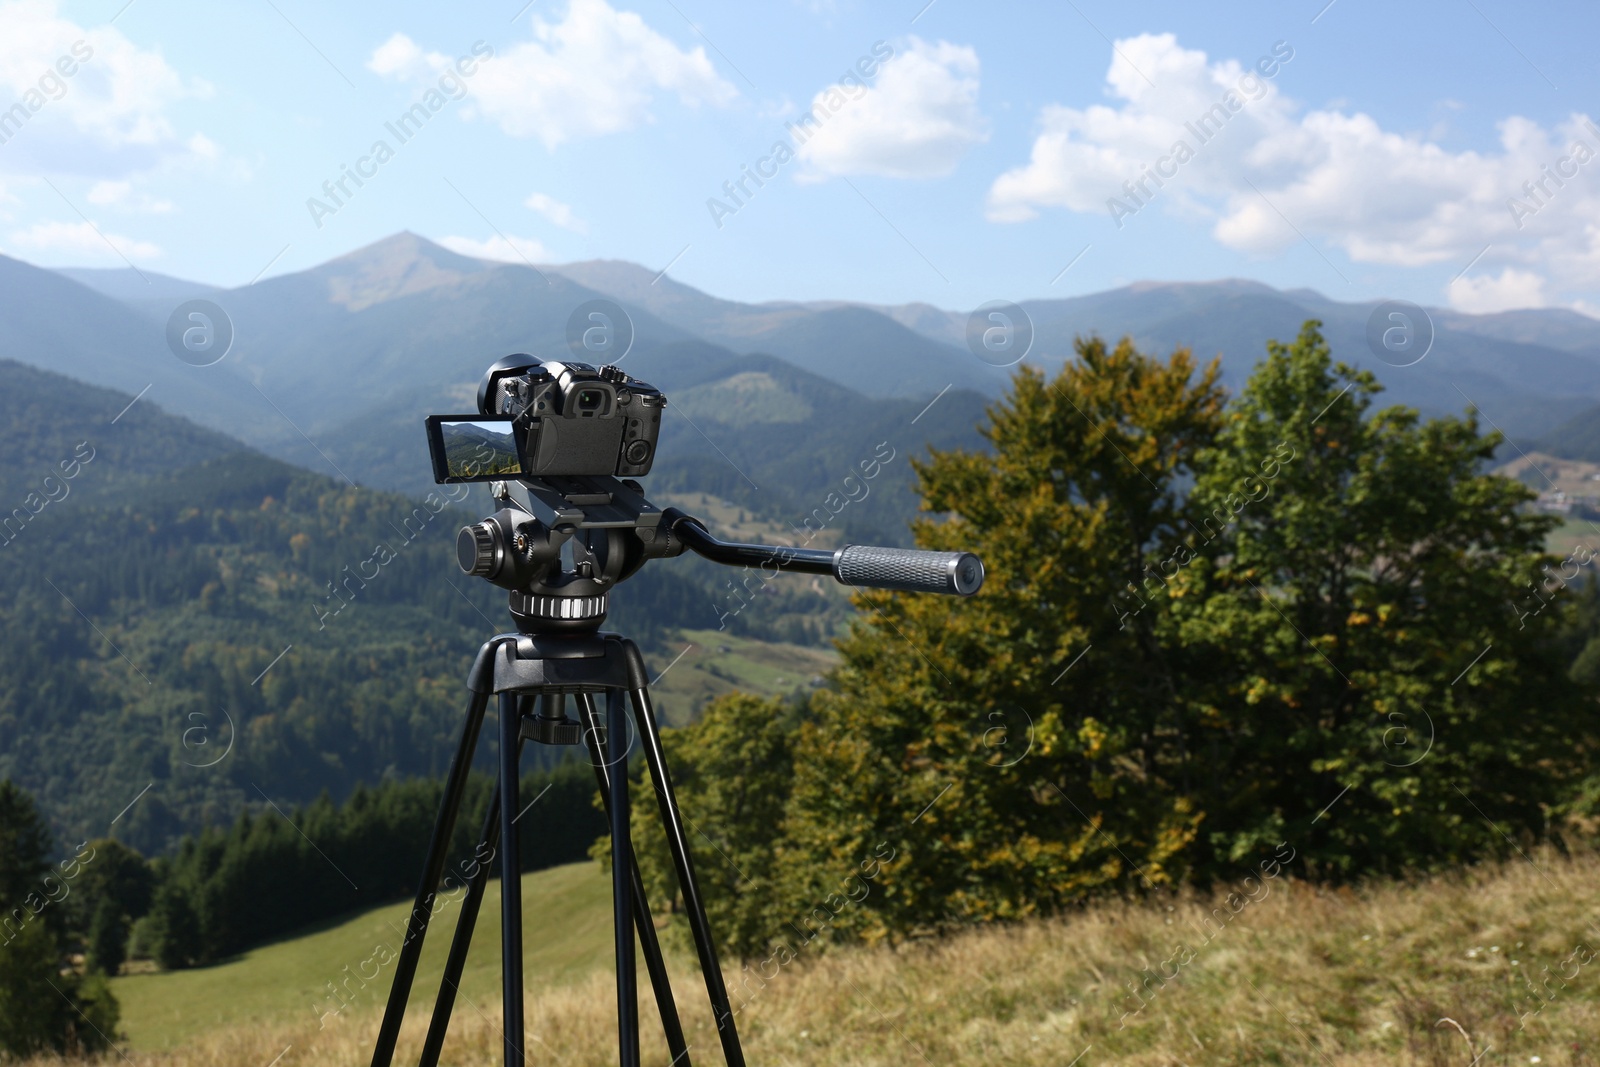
(638, 675)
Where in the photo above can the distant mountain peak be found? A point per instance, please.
(401, 246)
(396, 266)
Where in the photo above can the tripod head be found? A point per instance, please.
(566, 432)
(597, 531)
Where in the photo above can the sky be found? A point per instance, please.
(946, 152)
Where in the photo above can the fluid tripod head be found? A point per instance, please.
(567, 432)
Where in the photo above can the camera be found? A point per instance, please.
(549, 419)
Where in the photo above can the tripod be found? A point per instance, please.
(558, 652)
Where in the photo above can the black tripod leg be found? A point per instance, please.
(649, 943)
(621, 882)
(678, 845)
(405, 970)
(510, 882)
(450, 983)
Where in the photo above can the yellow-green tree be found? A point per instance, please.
(1006, 751)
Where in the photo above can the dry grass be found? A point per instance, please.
(1303, 976)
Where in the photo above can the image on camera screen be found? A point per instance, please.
(479, 449)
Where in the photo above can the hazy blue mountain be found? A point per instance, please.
(389, 334)
(1525, 370)
(134, 286)
(350, 354)
(49, 321)
(334, 368)
(854, 344)
(1552, 327)
(1576, 438)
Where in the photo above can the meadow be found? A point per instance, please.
(1437, 972)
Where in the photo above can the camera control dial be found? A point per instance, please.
(478, 549)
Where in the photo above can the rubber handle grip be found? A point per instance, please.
(910, 570)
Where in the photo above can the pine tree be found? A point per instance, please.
(24, 847)
(41, 1009)
(29, 1021)
(175, 927)
(108, 937)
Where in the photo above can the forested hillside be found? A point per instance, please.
(203, 628)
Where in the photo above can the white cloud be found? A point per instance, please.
(109, 192)
(1081, 158)
(511, 249)
(1381, 196)
(557, 212)
(81, 241)
(916, 121)
(123, 195)
(398, 57)
(202, 147)
(596, 71)
(117, 94)
(1487, 294)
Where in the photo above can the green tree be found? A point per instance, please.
(732, 770)
(116, 872)
(1207, 633)
(108, 937)
(41, 1008)
(1381, 680)
(24, 851)
(917, 753)
(110, 893)
(30, 1021)
(175, 926)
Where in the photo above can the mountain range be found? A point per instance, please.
(333, 367)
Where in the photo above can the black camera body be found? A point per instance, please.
(559, 419)
(573, 419)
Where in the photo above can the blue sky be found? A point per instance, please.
(1376, 150)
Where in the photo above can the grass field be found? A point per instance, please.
(732, 522)
(711, 663)
(567, 910)
(566, 934)
(1434, 972)
(1573, 535)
